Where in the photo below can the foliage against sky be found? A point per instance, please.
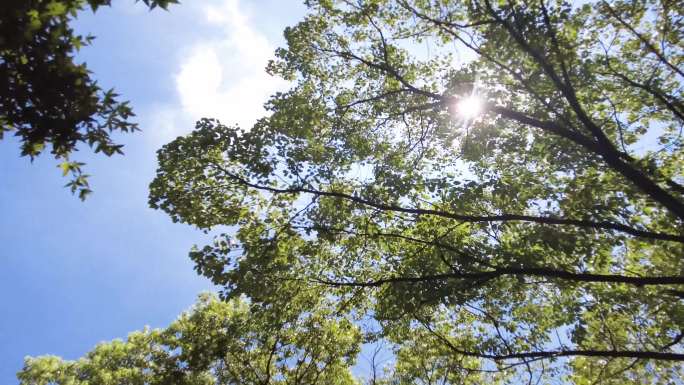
(216, 343)
(49, 100)
(541, 239)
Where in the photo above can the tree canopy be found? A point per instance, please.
(47, 98)
(497, 183)
(492, 188)
(215, 343)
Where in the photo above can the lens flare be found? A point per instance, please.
(469, 107)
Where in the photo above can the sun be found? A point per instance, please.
(469, 107)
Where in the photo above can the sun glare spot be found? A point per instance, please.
(469, 107)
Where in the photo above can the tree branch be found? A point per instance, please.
(646, 355)
(604, 225)
(512, 271)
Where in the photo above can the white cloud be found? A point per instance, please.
(221, 77)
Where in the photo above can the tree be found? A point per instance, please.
(497, 183)
(46, 97)
(216, 343)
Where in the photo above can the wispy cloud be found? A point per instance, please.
(220, 77)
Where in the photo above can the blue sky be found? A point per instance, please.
(77, 273)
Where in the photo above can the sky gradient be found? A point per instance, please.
(77, 273)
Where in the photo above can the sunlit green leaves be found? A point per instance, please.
(50, 102)
(216, 343)
(513, 246)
